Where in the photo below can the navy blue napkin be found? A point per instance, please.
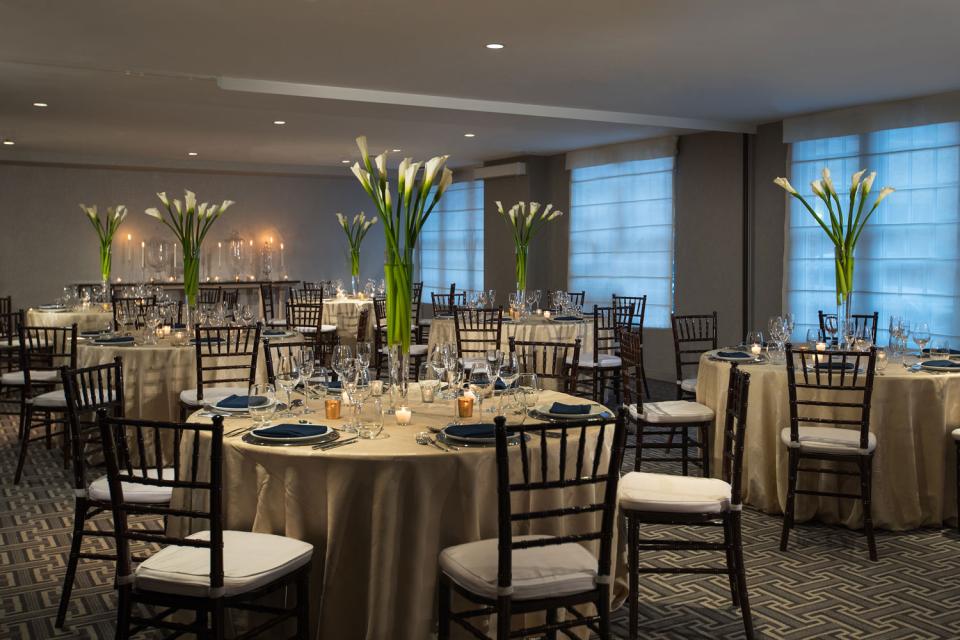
(292, 431)
(179, 325)
(335, 384)
(953, 352)
(835, 366)
(733, 354)
(566, 318)
(486, 430)
(274, 332)
(500, 385)
(570, 409)
(91, 333)
(114, 340)
(946, 364)
(240, 402)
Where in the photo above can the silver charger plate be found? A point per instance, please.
(545, 417)
(485, 443)
(926, 367)
(330, 436)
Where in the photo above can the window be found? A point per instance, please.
(621, 234)
(908, 257)
(451, 242)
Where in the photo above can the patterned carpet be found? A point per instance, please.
(823, 588)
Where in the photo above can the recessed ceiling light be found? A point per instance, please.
(40, 104)
(345, 161)
(397, 150)
(9, 143)
(191, 153)
(494, 45)
(469, 135)
(279, 122)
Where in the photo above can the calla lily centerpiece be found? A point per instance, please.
(525, 222)
(356, 231)
(843, 229)
(190, 224)
(106, 227)
(403, 216)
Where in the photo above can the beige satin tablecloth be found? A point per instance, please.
(535, 329)
(378, 514)
(912, 415)
(345, 313)
(87, 320)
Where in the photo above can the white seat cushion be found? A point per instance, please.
(689, 385)
(210, 395)
(50, 400)
(607, 361)
(99, 489)
(829, 440)
(276, 323)
(663, 493)
(672, 411)
(250, 561)
(324, 328)
(16, 377)
(537, 571)
(956, 434)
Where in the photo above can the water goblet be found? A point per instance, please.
(921, 336)
(307, 364)
(364, 353)
(480, 382)
(262, 403)
(287, 378)
(428, 381)
(528, 391)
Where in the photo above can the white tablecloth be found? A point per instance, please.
(378, 514)
(535, 329)
(87, 320)
(912, 415)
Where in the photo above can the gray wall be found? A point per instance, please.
(49, 242)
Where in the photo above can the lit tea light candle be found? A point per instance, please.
(546, 314)
(465, 407)
(332, 407)
(756, 349)
(821, 346)
(403, 415)
(165, 330)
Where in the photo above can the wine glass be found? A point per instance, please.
(480, 382)
(813, 338)
(509, 372)
(494, 359)
(307, 364)
(152, 322)
(359, 393)
(437, 360)
(288, 377)
(364, 353)
(528, 389)
(340, 359)
(921, 335)
(121, 317)
(246, 315)
(850, 331)
(262, 403)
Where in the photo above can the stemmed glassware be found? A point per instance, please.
(307, 364)
(849, 330)
(480, 382)
(921, 336)
(246, 315)
(494, 359)
(528, 390)
(364, 353)
(509, 372)
(359, 393)
(287, 378)
(152, 323)
(262, 403)
(340, 360)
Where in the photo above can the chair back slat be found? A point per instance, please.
(735, 430)
(86, 391)
(209, 295)
(362, 321)
(267, 301)
(305, 296)
(477, 330)
(607, 324)
(585, 433)
(135, 307)
(230, 298)
(273, 351)
(830, 388)
(114, 433)
(639, 310)
(222, 350)
(692, 336)
(557, 361)
(46, 349)
(866, 324)
(305, 317)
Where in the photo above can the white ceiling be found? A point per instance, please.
(136, 82)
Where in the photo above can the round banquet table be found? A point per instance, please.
(86, 319)
(378, 513)
(345, 313)
(911, 415)
(536, 328)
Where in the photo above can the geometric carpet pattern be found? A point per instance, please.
(824, 587)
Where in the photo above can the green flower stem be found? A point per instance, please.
(106, 260)
(521, 256)
(398, 276)
(191, 277)
(355, 262)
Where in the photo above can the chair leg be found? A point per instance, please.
(551, 618)
(217, 620)
(633, 563)
(594, 380)
(603, 610)
(685, 452)
(957, 443)
(729, 543)
(643, 377)
(744, 597)
(638, 460)
(866, 482)
(303, 604)
(503, 618)
(616, 386)
(79, 519)
(443, 609)
(24, 442)
(123, 614)
(705, 449)
(201, 624)
(793, 463)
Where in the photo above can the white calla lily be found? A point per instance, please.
(855, 179)
(867, 184)
(886, 191)
(381, 163)
(163, 198)
(190, 200)
(154, 213)
(784, 184)
(446, 179)
(362, 145)
(817, 187)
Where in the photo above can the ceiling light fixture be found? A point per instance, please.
(469, 135)
(279, 122)
(345, 162)
(494, 45)
(397, 150)
(42, 105)
(191, 153)
(9, 143)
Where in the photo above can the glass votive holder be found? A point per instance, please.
(882, 360)
(465, 406)
(332, 407)
(403, 415)
(428, 390)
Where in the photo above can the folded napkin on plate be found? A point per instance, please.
(274, 332)
(500, 385)
(570, 409)
(51, 306)
(733, 354)
(335, 384)
(91, 333)
(240, 402)
(835, 366)
(946, 364)
(179, 325)
(485, 430)
(292, 431)
(114, 340)
(566, 318)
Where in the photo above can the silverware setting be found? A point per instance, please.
(334, 444)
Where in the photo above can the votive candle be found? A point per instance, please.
(465, 407)
(403, 415)
(332, 407)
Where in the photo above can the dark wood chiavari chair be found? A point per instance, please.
(415, 326)
(655, 420)
(559, 561)
(231, 574)
(306, 317)
(608, 322)
(10, 340)
(43, 350)
(273, 351)
(223, 355)
(955, 434)
(477, 331)
(866, 324)
(639, 315)
(692, 336)
(379, 334)
(658, 499)
(839, 385)
(87, 390)
(305, 296)
(577, 298)
(556, 361)
(6, 305)
(362, 321)
(230, 297)
(268, 302)
(309, 285)
(209, 295)
(135, 307)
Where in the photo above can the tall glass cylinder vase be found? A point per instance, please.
(106, 262)
(191, 285)
(399, 364)
(521, 259)
(354, 272)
